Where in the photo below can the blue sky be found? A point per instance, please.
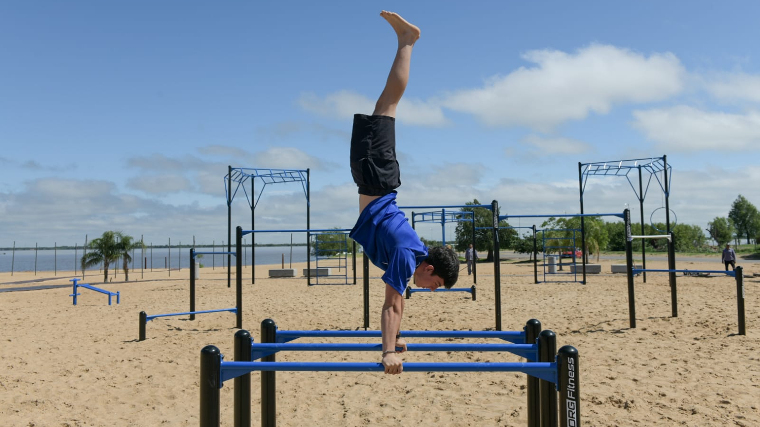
(125, 115)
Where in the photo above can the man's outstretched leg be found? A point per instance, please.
(399, 75)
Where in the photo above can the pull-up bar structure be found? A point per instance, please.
(580, 215)
(442, 217)
(653, 166)
(236, 180)
(494, 208)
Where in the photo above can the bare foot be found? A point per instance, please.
(406, 32)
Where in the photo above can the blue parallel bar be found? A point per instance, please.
(231, 310)
(544, 370)
(528, 351)
(446, 207)
(442, 290)
(641, 270)
(619, 215)
(511, 336)
(102, 291)
(316, 230)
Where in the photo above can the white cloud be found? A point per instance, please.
(685, 128)
(160, 184)
(556, 145)
(565, 86)
(737, 86)
(344, 104)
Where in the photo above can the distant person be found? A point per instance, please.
(729, 257)
(382, 229)
(470, 256)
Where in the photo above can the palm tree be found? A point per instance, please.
(105, 249)
(126, 244)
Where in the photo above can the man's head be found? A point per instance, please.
(441, 268)
(470, 245)
(728, 246)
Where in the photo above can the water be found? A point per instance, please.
(157, 258)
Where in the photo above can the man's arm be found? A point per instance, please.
(390, 325)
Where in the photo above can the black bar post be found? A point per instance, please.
(239, 274)
(472, 291)
(584, 254)
(243, 383)
(211, 367)
(547, 347)
(268, 379)
(739, 271)
(474, 251)
(671, 259)
(229, 222)
(253, 227)
(643, 232)
(192, 283)
(629, 268)
(353, 257)
(308, 233)
(366, 289)
(496, 263)
(535, 256)
(569, 387)
(672, 266)
(143, 323)
(532, 329)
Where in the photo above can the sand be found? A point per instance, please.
(66, 365)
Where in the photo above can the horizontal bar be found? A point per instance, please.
(653, 236)
(528, 351)
(446, 207)
(619, 215)
(442, 290)
(102, 291)
(231, 310)
(543, 370)
(640, 270)
(319, 230)
(511, 336)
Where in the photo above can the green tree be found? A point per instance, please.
(331, 243)
(596, 233)
(524, 245)
(745, 217)
(483, 237)
(104, 249)
(721, 230)
(127, 244)
(689, 237)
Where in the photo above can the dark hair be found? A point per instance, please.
(445, 264)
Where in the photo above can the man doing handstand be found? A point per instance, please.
(382, 229)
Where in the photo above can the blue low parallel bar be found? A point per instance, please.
(546, 371)
(528, 351)
(231, 310)
(93, 288)
(642, 270)
(410, 291)
(510, 336)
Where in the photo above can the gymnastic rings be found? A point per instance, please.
(651, 222)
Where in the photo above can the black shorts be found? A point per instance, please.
(373, 155)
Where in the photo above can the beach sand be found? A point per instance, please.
(66, 365)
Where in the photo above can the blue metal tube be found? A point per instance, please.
(511, 336)
(527, 351)
(544, 370)
(641, 270)
(448, 207)
(231, 310)
(442, 290)
(318, 230)
(619, 215)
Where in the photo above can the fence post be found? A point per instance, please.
(243, 382)
(211, 360)
(532, 329)
(569, 387)
(268, 379)
(739, 271)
